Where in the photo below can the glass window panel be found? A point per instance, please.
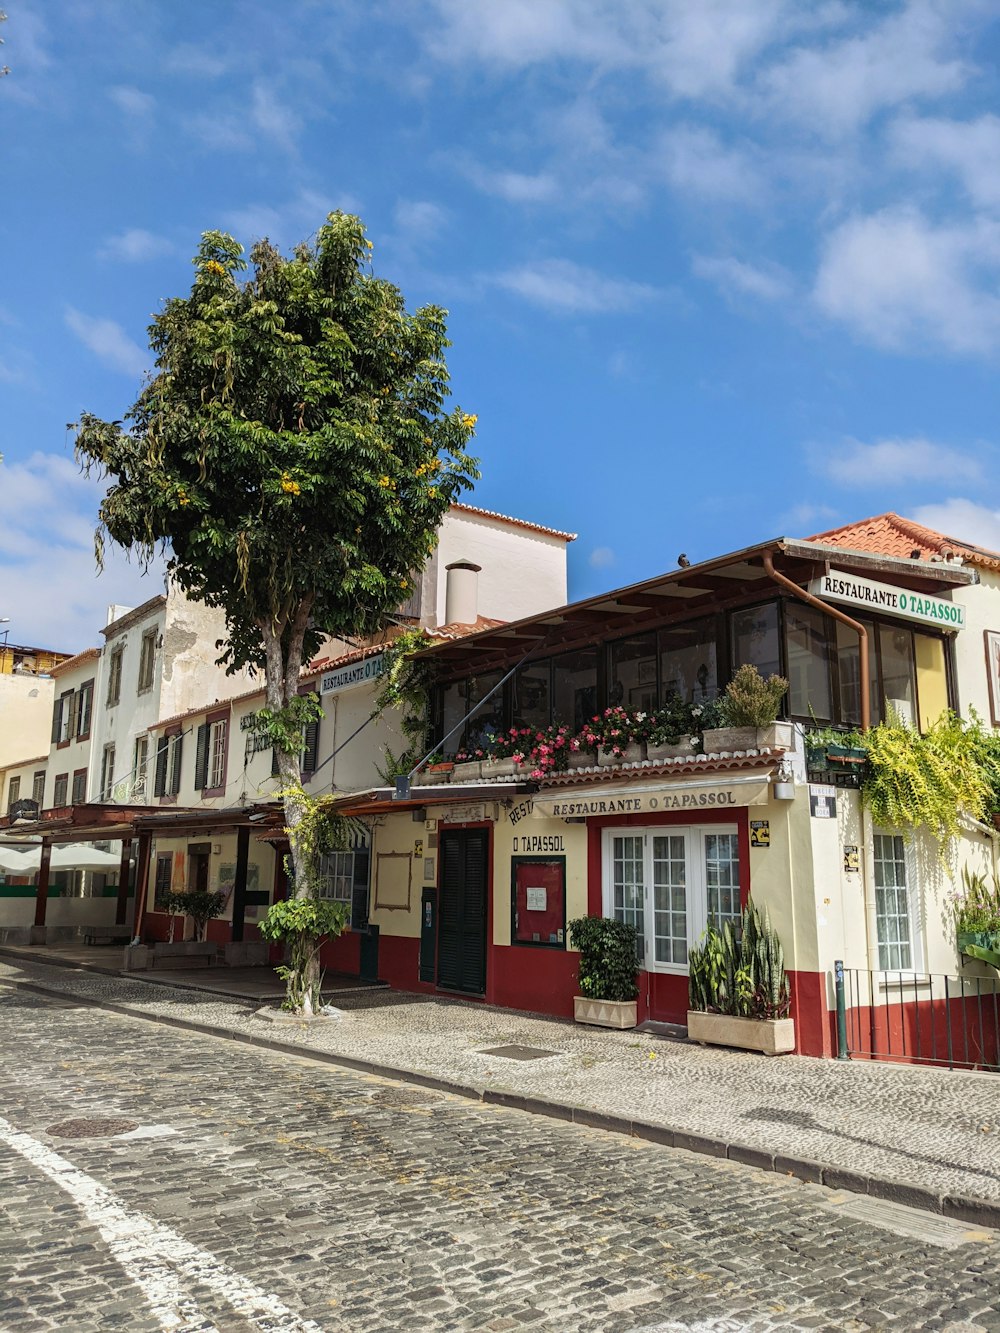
(531, 692)
(848, 660)
(485, 722)
(689, 661)
(898, 672)
(670, 899)
(755, 639)
(574, 698)
(628, 876)
(808, 654)
(632, 681)
(722, 878)
(892, 904)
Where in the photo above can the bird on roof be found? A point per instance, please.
(683, 561)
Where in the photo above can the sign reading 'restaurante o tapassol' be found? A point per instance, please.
(840, 587)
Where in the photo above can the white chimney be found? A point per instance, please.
(461, 603)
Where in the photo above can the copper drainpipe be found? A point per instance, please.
(859, 629)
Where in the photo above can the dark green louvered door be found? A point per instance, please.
(462, 910)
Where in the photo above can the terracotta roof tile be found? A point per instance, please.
(88, 655)
(890, 534)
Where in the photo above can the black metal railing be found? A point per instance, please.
(919, 1018)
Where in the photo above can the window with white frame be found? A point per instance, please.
(893, 905)
(336, 876)
(107, 772)
(217, 753)
(139, 762)
(670, 883)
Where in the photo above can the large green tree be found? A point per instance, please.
(291, 453)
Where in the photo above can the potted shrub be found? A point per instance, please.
(748, 712)
(673, 729)
(618, 736)
(828, 748)
(607, 973)
(739, 990)
(977, 914)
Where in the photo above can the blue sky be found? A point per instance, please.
(716, 272)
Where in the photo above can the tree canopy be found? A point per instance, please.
(292, 447)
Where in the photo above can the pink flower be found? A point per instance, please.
(537, 773)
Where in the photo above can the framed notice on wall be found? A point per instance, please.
(538, 901)
(992, 637)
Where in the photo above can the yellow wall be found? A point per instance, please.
(932, 682)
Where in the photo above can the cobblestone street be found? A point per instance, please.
(259, 1191)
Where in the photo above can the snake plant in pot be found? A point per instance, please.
(738, 987)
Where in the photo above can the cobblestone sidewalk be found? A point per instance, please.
(932, 1131)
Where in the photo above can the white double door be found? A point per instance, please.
(670, 882)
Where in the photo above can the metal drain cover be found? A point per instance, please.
(519, 1052)
(95, 1127)
(931, 1228)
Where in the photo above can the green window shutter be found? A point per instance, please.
(310, 746)
(160, 777)
(175, 765)
(201, 758)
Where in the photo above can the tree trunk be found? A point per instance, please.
(283, 642)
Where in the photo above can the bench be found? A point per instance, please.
(106, 934)
(183, 953)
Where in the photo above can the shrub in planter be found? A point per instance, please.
(608, 968)
(749, 708)
(977, 911)
(201, 907)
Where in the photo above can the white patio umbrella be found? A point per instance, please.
(14, 862)
(68, 856)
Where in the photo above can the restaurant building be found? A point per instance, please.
(473, 883)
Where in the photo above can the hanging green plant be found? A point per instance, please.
(404, 684)
(927, 781)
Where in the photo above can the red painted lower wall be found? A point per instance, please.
(542, 981)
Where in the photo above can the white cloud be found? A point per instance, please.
(274, 120)
(135, 246)
(968, 149)
(286, 224)
(902, 282)
(135, 104)
(517, 187)
(693, 50)
(419, 219)
(695, 161)
(108, 341)
(601, 557)
(898, 462)
(194, 62)
(836, 87)
(48, 512)
(805, 518)
(219, 132)
(734, 278)
(564, 287)
(964, 520)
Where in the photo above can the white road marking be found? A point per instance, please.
(154, 1257)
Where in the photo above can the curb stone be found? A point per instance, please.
(965, 1208)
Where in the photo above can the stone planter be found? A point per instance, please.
(466, 772)
(500, 768)
(582, 759)
(771, 1036)
(729, 740)
(634, 753)
(682, 749)
(605, 1013)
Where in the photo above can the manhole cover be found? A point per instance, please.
(96, 1127)
(519, 1052)
(914, 1223)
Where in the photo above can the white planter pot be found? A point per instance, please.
(582, 759)
(771, 1036)
(500, 768)
(605, 1013)
(729, 740)
(681, 750)
(633, 754)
